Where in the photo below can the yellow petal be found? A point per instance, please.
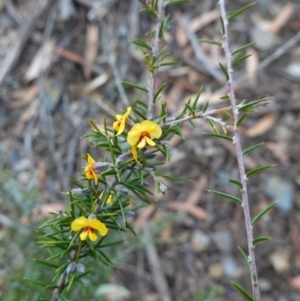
(119, 117)
(134, 134)
(79, 223)
(122, 126)
(150, 142)
(92, 236)
(90, 160)
(134, 153)
(84, 235)
(142, 143)
(95, 176)
(116, 125)
(96, 224)
(152, 128)
(128, 111)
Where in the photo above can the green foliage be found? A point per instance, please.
(251, 148)
(212, 42)
(243, 48)
(232, 15)
(260, 239)
(258, 169)
(228, 196)
(224, 70)
(245, 257)
(243, 292)
(263, 212)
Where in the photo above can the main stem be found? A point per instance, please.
(240, 159)
(155, 50)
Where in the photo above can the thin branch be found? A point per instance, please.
(240, 159)
(61, 286)
(155, 51)
(188, 117)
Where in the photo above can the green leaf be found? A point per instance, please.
(223, 69)
(241, 119)
(212, 124)
(259, 239)
(242, 291)
(149, 11)
(224, 97)
(251, 104)
(219, 136)
(240, 59)
(258, 169)
(249, 149)
(236, 13)
(132, 85)
(52, 265)
(245, 257)
(141, 43)
(238, 183)
(210, 42)
(158, 92)
(172, 2)
(36, 282)
(228, 196)
(195, 102)
(243, 48)
(173, 63)
(222, 25)
(264, 211)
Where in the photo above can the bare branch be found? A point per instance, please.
(240, 159)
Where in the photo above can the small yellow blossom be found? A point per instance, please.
(119, 125)
(141, 134)
(89, 225)
(90, 172)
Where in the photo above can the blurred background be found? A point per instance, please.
(62, 62)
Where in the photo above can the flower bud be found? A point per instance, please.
(71, 267)
(129, 213)
(150, 156)
(92, 216)
(101, 166)
(124, 157)
(80, 268)
(80, 192)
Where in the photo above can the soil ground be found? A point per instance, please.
(70, 59)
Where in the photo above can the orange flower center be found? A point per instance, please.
(89, 229)
(144, 135)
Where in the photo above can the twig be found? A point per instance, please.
(155, 51)
(13, 12)
(155, 266)
(61, 285)
(240, 159)
(174, 121)
(200, 55)
(23, 35)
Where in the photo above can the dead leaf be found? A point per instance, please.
(252, 63)
(91, 46)
(196, 211)
(262, 126)
(41, 61)
(94, 84)
(26, 115)
(144, 215)
(295, 282)
(23, 96)
(195, 25)
(282, 18)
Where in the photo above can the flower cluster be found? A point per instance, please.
(140, 135)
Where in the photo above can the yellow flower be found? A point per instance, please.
(89, 225)
(119, 125)
(90, 172)
(141, 134)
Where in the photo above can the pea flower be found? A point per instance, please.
(141, 134)
(89, 225)
(94, 168)
(119, 125)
